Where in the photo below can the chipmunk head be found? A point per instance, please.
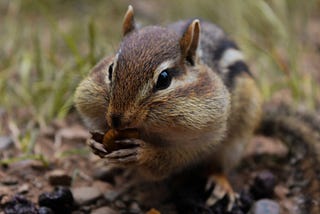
(155, 79)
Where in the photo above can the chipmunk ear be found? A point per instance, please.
(189, 41)
(128, 22)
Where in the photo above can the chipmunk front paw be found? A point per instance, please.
(97, 148)
(129, 155)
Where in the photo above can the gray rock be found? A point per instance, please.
(4, 190)
(5, 142)
(86, 195)
(104, 210)
(265, 206)
(102, 186)
(135, 208)
(23, 189)
(111, 195)
(8, 181)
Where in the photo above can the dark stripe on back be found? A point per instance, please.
(222, 47)
(235, 70)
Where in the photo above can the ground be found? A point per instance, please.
(267, 171)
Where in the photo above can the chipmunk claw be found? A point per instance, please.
(220, 187)
(127, 155)
(122, 156)
(97, 148)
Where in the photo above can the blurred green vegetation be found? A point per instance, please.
(47, 47)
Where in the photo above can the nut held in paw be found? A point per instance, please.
(112, 135)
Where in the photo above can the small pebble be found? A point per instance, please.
(104, 210)
(23, 189)
(5, 142)
(102, 186)
(9, 181)
(19, 205)
(38, 165)
(59, 178)
(281, 192)
(86, 195)
(4, 190)
(60, 200)
(111, 195)
(135, 208)
(37, 183)
(263, 185)
(45, 210)
(265, 206)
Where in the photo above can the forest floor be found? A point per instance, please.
(267, 178)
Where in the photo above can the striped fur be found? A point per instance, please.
(218, 52)
(193, 121)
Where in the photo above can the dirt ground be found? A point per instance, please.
(73, 166)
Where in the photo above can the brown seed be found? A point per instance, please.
(109, 138)
(112, 135)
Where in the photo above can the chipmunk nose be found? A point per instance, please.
(116, 121)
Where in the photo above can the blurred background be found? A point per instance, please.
(47, 47)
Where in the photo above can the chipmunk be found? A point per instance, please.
(187, 91)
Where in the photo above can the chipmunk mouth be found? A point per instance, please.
(116, 134)
(110, 138)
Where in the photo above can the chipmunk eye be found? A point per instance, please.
(110, 70)
(164, 80)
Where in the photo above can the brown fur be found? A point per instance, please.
(244, 118)
(198, 119)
